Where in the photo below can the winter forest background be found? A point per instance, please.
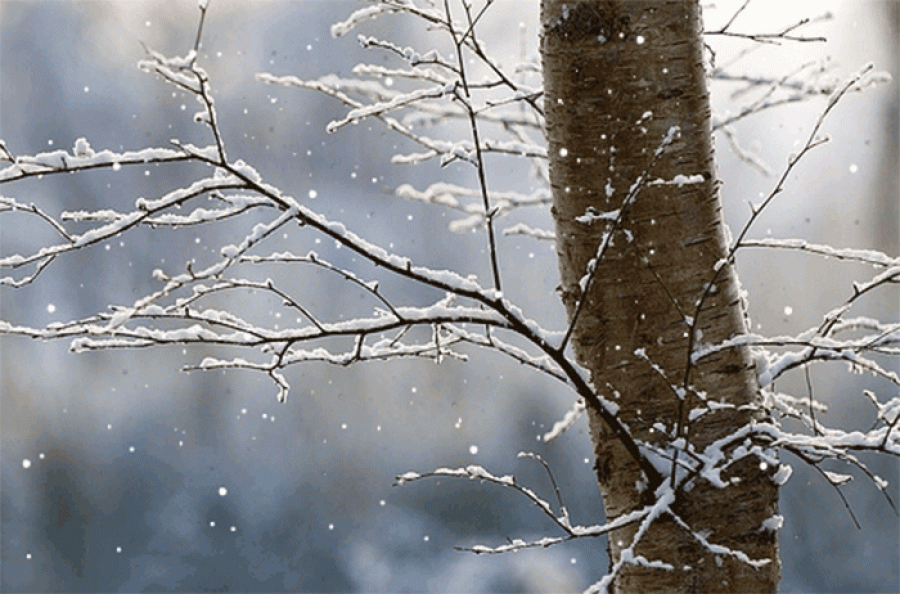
(121, 474)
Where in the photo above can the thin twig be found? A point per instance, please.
(473, 123)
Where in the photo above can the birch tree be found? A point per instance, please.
(614, 121)
(646, 276)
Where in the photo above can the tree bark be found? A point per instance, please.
(618, 77)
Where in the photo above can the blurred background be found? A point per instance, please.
(119, 473)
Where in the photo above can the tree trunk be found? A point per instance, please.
(618, 76)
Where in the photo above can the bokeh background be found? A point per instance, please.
(142, 478)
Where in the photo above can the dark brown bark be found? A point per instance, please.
(618, 76)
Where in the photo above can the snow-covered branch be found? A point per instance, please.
(118, 223)
(83, 158)
(559, 517)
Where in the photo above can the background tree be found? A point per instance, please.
(191, 305)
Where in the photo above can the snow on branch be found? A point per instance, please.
(870, 257)
(465, 200)
(357, 18)
(784, 34)
(144, 210)
(112, 330)
(664, 500)
(381, 102)
(827, 342)
(363, 15)
(884, 339)
(431, 57)
(543, 363)
(559, 517)
(331, 86)
(415, 73)
(83, 158)
(568, 420)
(397, 102)
(717, 549)
(529, 231)
(150, 321)
(644, 517)
(808, 81)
